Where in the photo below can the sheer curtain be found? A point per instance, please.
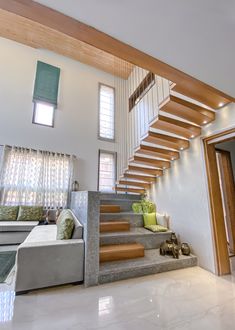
(30, 177)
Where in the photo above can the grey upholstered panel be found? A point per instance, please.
(78, 228)
(8, 238)
(44, 264)
(17, 225)
(42, 234)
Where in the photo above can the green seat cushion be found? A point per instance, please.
(65, 225)
(30, 213)
(8, 213)
(156, 228)
(148, 207)
(137, 208)
(150, 219)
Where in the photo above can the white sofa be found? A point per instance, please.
(43, 261)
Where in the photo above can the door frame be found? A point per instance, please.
(217, 215)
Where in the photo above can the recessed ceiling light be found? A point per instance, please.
(221, 104)
(172, 158)
(181, 148)
(192, 136)
(164, 168)
(204, 122)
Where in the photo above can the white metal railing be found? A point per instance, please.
(134, 124)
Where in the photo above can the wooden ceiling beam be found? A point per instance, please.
(69, 26)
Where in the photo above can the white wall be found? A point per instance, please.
(183, 193)
(76, 118)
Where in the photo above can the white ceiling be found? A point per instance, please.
(195, 36)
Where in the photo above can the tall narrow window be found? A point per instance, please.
(45, 94)
(107, 171)
(106, 112)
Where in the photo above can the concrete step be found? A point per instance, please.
(140, 235)
(122, 196)
(151, 263)
(110, 208)
(135, 219)
(114, 226)
(121, 251)
(125, 204)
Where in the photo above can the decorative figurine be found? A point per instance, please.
(185, 249)
(174, 238)
(170, 248)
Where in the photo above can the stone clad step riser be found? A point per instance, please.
(122, 273)
(148, 241)
(112, 197)
(125, 205)
(135, 220)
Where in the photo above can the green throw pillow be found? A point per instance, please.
(30, 213)
(8, 213)
(156, 228)
(150, 219)
(148, 207)
(65, 225)
(137, 207)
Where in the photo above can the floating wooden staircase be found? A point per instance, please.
(179, 121)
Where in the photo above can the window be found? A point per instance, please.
(106, 112)
(107, 171)
(45, 94)
(31, 177)
(43, 114)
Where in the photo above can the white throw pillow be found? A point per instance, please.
(163, 220)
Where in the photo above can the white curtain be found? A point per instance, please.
(30, 177)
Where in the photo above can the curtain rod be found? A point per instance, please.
(53, 152)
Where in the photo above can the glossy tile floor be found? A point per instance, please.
(189, 299)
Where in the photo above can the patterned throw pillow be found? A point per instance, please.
(8, 213)
(137, 207)
(30, 213)
(65, 225)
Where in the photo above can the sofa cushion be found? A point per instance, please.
(65, 225)
(14, 226)
(30, 213)
(150, 219)
(42, 234)
(8, 213)
(156, 228)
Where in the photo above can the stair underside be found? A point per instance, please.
(114, 226)
(187, 110)
(151, 162)
(144, 169)
(144, 178)
(151, 263)
(121, 252)
(130, 190)
(166, 141)
(157, 152)
(177, 127)
(135, 184)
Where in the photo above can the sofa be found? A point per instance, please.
(14, 232)
(44, 258)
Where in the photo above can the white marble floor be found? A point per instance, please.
(189, 299)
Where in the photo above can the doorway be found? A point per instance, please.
(220, 165)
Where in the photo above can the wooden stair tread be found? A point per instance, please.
(158, 152)
(144, 178)
(167, 141)
(131, 190)
(114, 226)
(177, 127)
(146, 170)
(151, 162)
(187, 110)
(121, 251)
(110, 209)
(135, 184)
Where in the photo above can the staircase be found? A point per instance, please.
(127, 249)
(178, 122)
